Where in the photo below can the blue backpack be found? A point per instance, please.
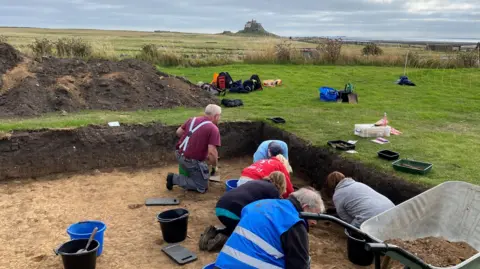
(328, 94)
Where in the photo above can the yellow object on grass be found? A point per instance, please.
(272, 82)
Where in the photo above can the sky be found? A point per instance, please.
(405, 19)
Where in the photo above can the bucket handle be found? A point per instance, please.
(55, 250)
(182, 216)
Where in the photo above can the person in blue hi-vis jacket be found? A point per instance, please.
(270, 148)
(271, 234)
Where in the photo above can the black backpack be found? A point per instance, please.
(232, 103)
(257, 82)
(237, 87)
(249, 85)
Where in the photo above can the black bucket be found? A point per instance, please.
(356, 249)
(72, 260)
(174, 225)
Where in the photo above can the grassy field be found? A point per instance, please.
(439, 118)
(129, 43)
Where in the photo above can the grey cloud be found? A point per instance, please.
(365, 18)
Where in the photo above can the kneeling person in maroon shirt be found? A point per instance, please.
(197, 147)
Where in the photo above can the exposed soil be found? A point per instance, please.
(437, 251)
(9, 57)
(36, 213)
(38, 153)
(33, 87)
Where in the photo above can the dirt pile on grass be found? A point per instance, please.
(9, 57)
(35, 87)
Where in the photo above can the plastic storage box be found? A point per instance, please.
(370, 130)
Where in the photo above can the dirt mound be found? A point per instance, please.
(36, 87)
(9, 57)
(437, 251)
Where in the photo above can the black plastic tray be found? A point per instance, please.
(162, 201)
(388, 155)
(179, 254)
(341, 145)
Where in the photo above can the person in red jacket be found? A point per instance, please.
(263, 168)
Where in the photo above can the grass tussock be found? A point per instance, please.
(272, 51)
(161, 56)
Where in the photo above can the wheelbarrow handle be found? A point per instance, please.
(313, 216)
(384, 247)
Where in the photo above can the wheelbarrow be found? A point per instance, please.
(450, 210)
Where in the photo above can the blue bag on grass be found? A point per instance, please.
(328, 94)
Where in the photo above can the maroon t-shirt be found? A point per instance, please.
(197, 147)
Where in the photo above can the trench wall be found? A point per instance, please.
(43, 152)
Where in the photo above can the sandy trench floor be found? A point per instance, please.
(36, 212)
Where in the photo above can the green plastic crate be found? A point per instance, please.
(414, 167)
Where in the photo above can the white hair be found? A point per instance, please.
(310, 198)
(212, 110)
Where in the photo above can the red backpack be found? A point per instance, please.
(224, 81)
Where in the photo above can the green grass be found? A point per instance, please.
(439, 118)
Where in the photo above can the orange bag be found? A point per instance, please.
(214, 81)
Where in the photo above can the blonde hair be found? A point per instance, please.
(285, 162)
(278, 179)
(331, 183)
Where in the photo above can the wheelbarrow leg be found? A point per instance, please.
(377, 261)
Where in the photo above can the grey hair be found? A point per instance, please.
(212, 110)
(310, 198)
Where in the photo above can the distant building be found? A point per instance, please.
(253, 26)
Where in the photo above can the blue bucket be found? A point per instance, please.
(209, 266)
(231, 184)
(83, 230)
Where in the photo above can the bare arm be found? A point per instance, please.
(212, 157)
(180, 131)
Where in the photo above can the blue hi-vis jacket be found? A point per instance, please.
(256, 242)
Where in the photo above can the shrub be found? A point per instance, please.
(468, 59)
(151, 54)
(372, 49)
(41, 47)
(283, 52)
(73, 47)
(330, 50)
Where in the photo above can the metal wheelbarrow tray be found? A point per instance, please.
(450, 210)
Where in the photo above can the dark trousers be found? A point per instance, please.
(229, 223)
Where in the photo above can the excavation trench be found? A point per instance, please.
(53, 178)
(32, 154)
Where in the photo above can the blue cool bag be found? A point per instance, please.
(328, 94)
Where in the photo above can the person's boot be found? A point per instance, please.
(209, 233)
(216, 244)
(170, 181)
